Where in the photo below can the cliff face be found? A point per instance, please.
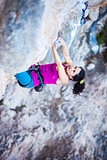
(53, 123)
(28, 29)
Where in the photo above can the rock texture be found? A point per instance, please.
(53, 124)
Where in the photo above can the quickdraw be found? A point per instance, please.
(83, 19)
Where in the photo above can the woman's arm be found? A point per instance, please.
(65, 53)
(63, 78)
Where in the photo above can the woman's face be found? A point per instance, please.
(73, 71)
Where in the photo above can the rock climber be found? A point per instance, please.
(58, 73)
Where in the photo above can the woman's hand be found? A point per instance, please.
(61, 40)
(53, 46)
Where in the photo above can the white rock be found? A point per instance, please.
(83, 109)
(93, 14)
(91, 66)
(95, 48)
(3, 82)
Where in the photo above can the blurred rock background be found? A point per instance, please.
(53, 124)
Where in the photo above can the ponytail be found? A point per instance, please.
(80, 85)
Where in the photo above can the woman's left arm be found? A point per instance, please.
(63, 78)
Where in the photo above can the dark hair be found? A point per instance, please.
(78, 87)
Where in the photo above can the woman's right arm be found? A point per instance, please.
(63, 78)
(65, 52)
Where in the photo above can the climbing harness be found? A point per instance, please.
(40, 87)
(25, 78)
(83, 19)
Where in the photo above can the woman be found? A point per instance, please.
(56, 73)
